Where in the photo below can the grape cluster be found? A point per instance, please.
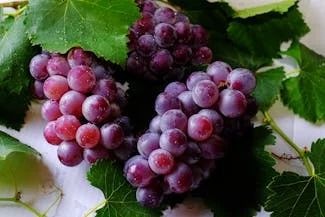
(163, 43)
(188, 134)
(82, 107)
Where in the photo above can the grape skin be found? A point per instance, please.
(232, 103)
(161, 161)
(70, 153)
(199, 127)
(81, 78)
(71, 103)
(55, 86)
(96, 109)
(173, 118)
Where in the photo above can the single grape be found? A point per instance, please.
(182, 54)
(165, 102)
(180, 17)
(138, 172)
(212, 148)
(129, 162)
(37, 67)
(197, 177)
(180, 178)
(55, 86)
(37, 89)
(232, 103)
(161, 62)
(154, 126)
(70, 153)
(125, 123)
(146, 45)
(91, 155)
(175, 88)
(150, 196)
(199, 36)
(132, 39)
(50, 134)
(147, 143)
(136, 64)
(192, 154)
(51, 110)
(199, 127)
(115, 112)
(215, 118)
(189, 107)
(219, 71)
(205, 93)
(71, 103)
(77, 56)
(183, 32)
(201, 56)
(252, 106)
(121, 98)
(242, 80)
(58, 66)
(173, 118)
(164, 15)
(112, 135)
(127, 149)
(165, 35)
(161, 161)
(149, 6)
(144, 25)
(174, 141)
(88, 135)
(96, 109)
(195, 77)
(106, 88)
(66, 127)
(81, 78)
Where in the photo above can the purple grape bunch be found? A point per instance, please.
(187, 136)
(82, 107)
(163, 43)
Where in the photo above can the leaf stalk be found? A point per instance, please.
(100, 204)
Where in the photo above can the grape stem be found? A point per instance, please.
(16, 199)
(13, 4)
(16, 13)
(309, 167)
(94, 209)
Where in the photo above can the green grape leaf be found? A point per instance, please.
(256, 34)
(299, 196)
(304, 94)
(15, 54)
(119, 194)
(100, 26)
(5, 25)
(248, 160)
(269, 84)
(9, 144)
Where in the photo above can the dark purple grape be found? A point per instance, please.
(144, 25)
(242, 80)
(149, 6)
(176, 73)
(121, 98)
(150, 196)
(51, 110)
(212, 148)
(58, 66)
(195, 77)
(161, 61)
(146, 45)
(115, 112)
(66, 127)
(70, 153)
(180, 179)
(232, 103)
(100, 72)
(112, 135)
(192, 154)
(154, 126)
(82, 79)
(132, 39)
(215, 118)
(165, 102)
(199, 127)
(147, 143)
(71, 103)
(77, 56)
(201, 56)
(180, 17)
(183, 32)
(91, 155)
(161, 161)
(175, 88)
(165, 15)
(127, 149)
(197, 177)
(252, 106)
(165, 35)
(37, 66)
(207, 166)
(189, 107)
(205, 93)
(37, 89)
(88, 135)
(136, 64)
(55, 86)
(50, 134)
(106, 88)
(174, 141)
(182, 54)
(199, 36)
(138, 172)
(125, 123)
(219, 72)
(173, 118)
(96, 109)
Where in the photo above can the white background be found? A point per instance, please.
(79, 196)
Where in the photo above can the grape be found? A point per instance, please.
(183, 32)
(129, 162)
(125, 123)
(173, 118)
(55, 86)
(149, 6)
(50, 110)
(164, 15)
(197, 177)
(174, 141)
(215, 118)
(232, 103)
(37, 67)
(207, 166)
(195, 77)
(242, 80)
(175, 73)
(161, 161)
(138, 172)
(175, 88)
(121, 99)
(252, 107)
(219, 72)
(112, 135)
(37, 89)
(58, 66)
(144, 25)
(205, 93)
(180, 178)
(71, 103)
(100, 72)
(106, 88)
(201, 56)
(136, 64)
(81, 78)
(181, 17)
(127, 149)
(161, 61)
(70, 153)
(165, 35)
(165, 102)
(66, 127)
(147, 143)
(91, 155)
(88, 135)
(192, 154)
(199, 35)
(199, 127)
(182, 54)
(132, 39)
(150, 196)
(212, 148)
(189, 107)
(146, 45)
(115, 112)
(154, 126)
(77, 56)
(50, 134)
(96, 109)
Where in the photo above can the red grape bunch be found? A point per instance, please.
(82, 107)
(187, 136)
(163, 43)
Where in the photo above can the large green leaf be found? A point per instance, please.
(304, 94)
(100, 26)
(119, 194)
(298, 196)
(15, 54)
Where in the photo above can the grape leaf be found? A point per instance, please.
(269, 84)
(119, 194)
(304, 94)
(5, 25)
(15, 54)
(256, 34)
(298, 196)
(100, 26)
(10, 145)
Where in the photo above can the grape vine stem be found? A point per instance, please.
(13, 4)
(100, 204)
(309, 167)
(21, 203)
